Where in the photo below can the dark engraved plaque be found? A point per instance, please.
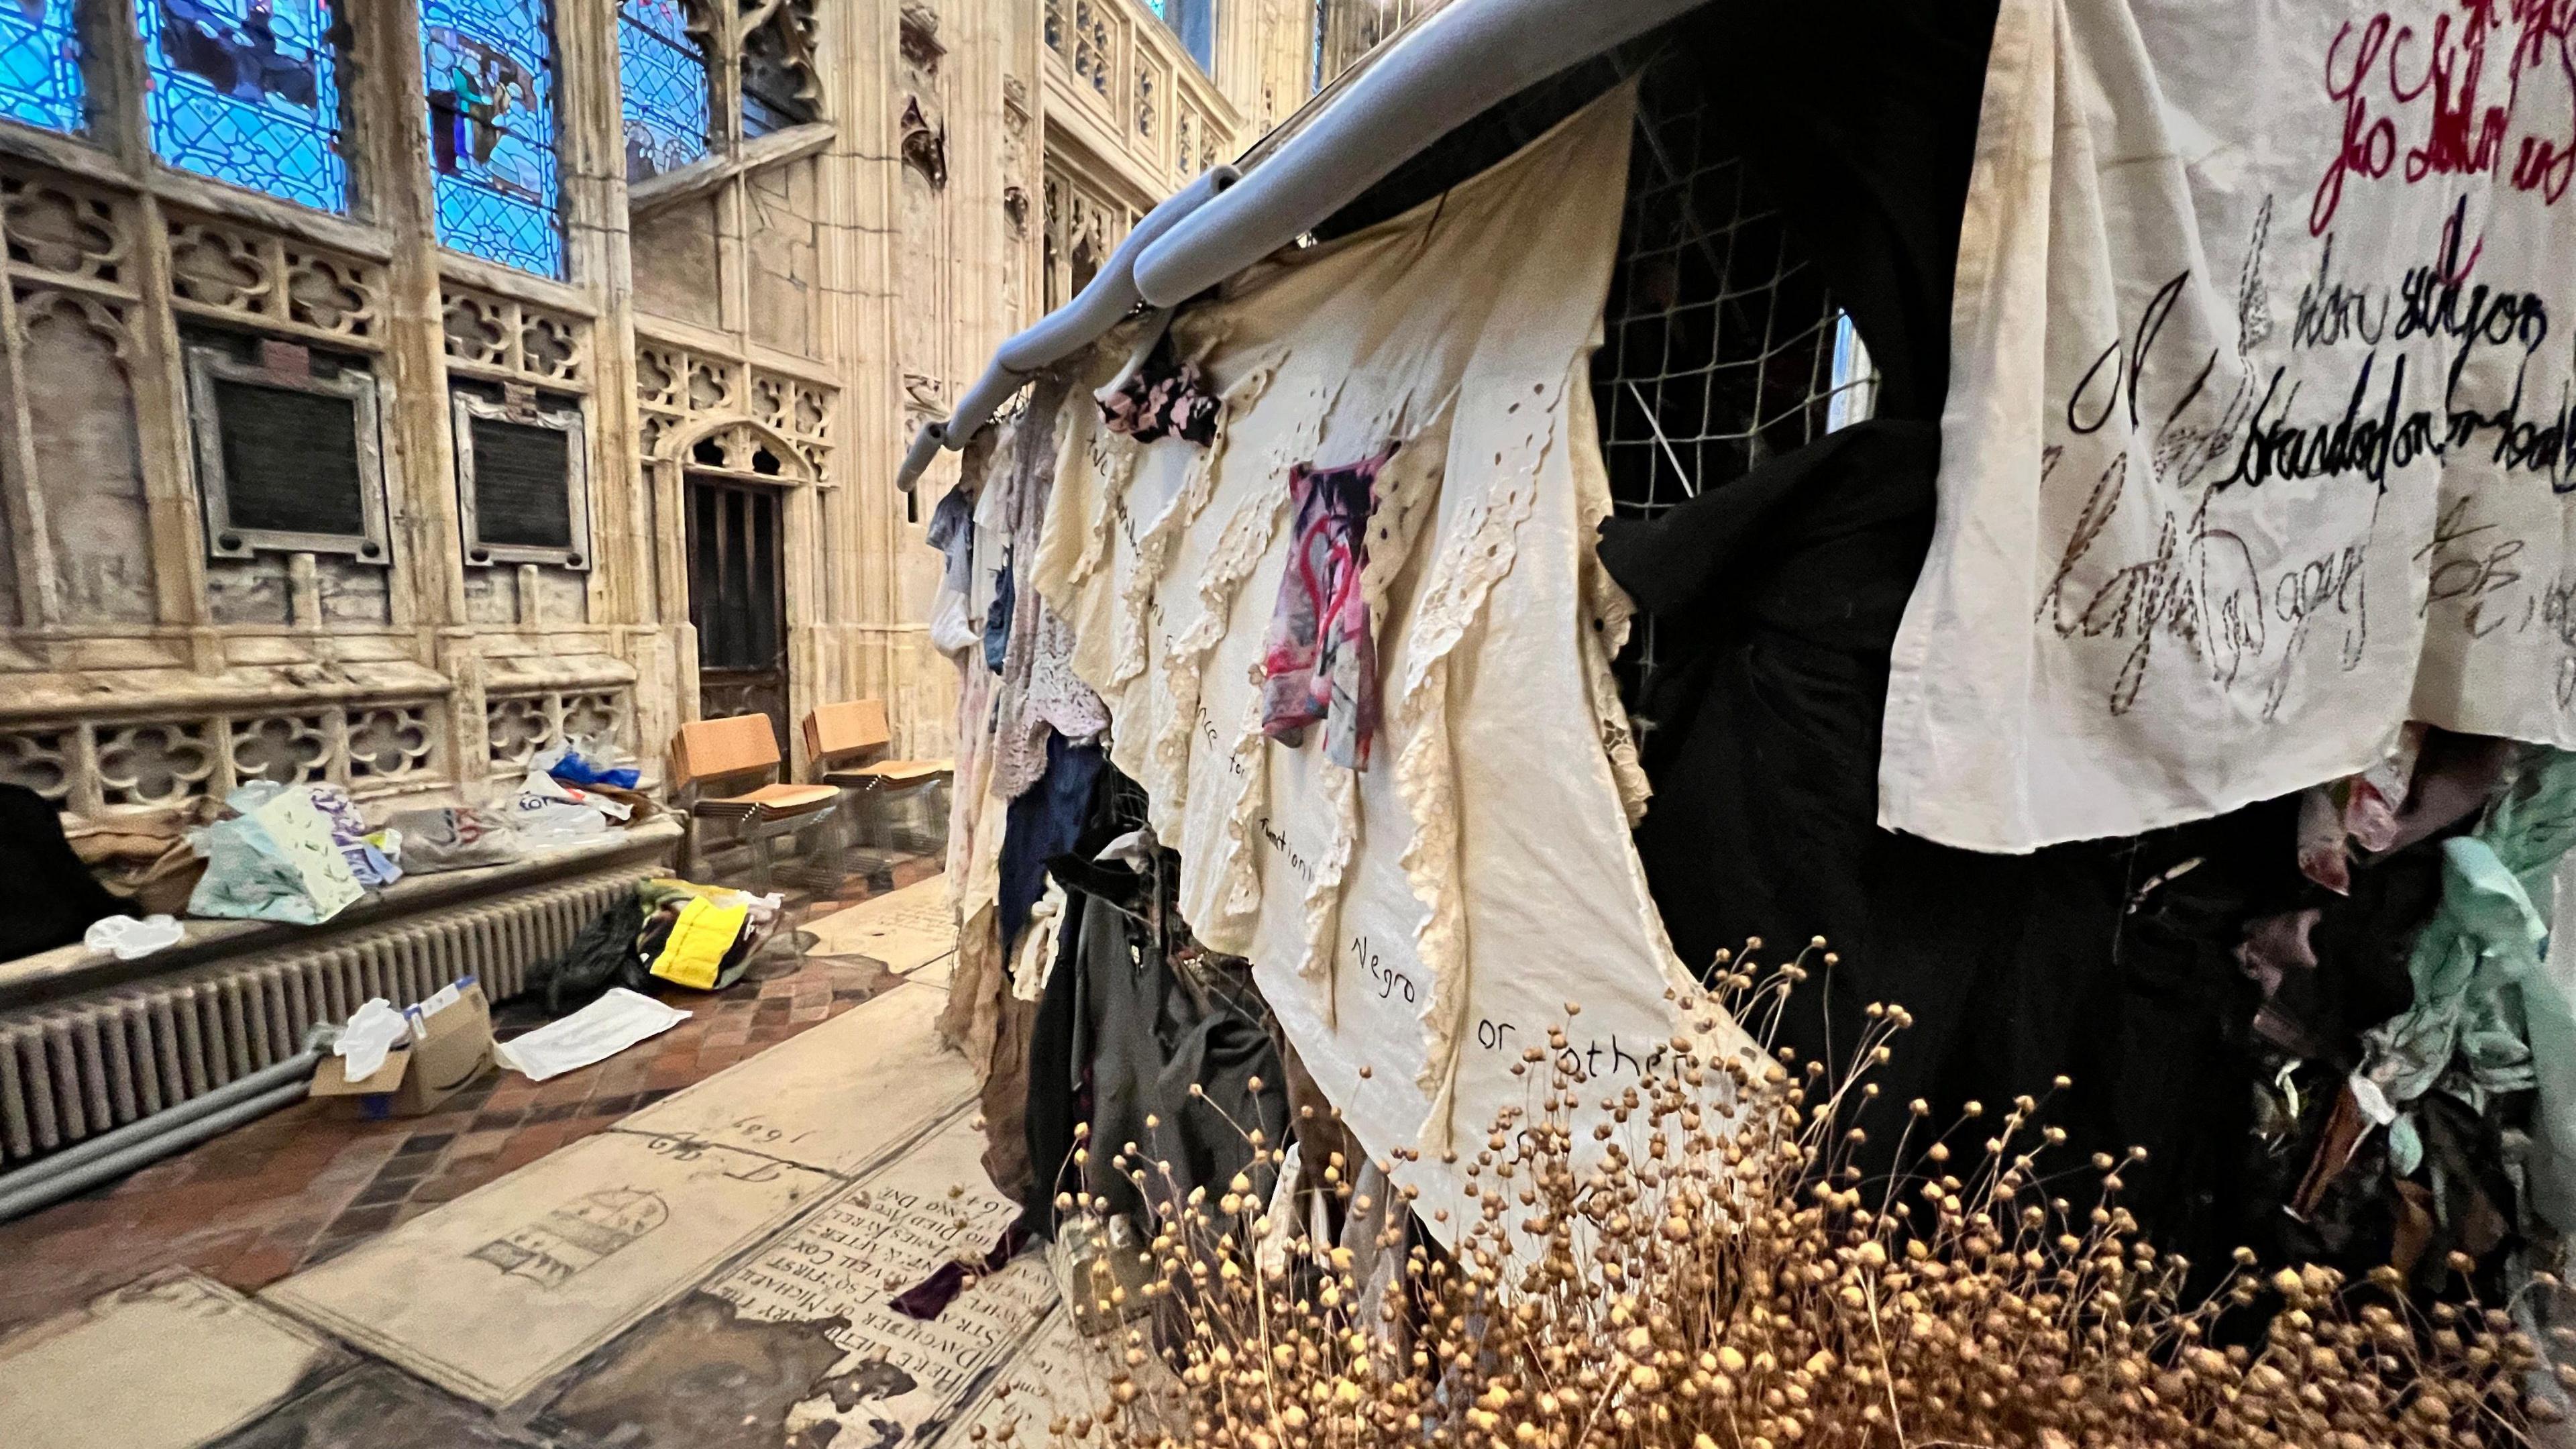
(290, 459)
(522, 485)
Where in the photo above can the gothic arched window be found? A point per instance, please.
(40, 65)
(490, 68)
(663, 71)
(248, 91)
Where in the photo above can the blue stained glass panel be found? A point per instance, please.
(490, 68)
(248, 91)
(1194, 21)
(664, 76)
(40, 74)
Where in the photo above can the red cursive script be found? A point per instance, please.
(2443, 101)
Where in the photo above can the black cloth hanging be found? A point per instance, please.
(1123, 1036)
(47, 897)
(1860, 119)
(1777, 596)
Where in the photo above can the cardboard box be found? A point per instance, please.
(453, 1050)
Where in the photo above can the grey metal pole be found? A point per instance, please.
(1465, 58)
(1470, 56)
(18, 1200)
(1108, 299)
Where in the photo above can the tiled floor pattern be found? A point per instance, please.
(304, 1184)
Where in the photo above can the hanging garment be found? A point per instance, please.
(1043, 823)
(1427, 920)
(1172, 1066)
(952, 532)
(2487, 1019)
(1038, 692)
(997, 623)
(972, 1019)
(1320, 666)
(2253, 452)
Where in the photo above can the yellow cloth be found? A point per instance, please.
(699, 939)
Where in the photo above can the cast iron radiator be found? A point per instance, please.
(74, 1068)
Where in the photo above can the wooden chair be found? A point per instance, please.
(727, 751)
(848, 742)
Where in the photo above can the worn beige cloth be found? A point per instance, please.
(1417, 925)
(2256, 442)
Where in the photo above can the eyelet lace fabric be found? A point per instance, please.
(1504, 764)
(1038, 691)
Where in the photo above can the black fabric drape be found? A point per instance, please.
(1777, 596)
(1056, 1083)
(47, 897)
(1860, 118)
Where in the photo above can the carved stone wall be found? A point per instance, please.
(885, 193)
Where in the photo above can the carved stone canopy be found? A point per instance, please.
(925, 148)
(921, 36)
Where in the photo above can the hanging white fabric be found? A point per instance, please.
(2256, 442)
(1418, 924)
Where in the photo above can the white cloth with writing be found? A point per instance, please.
(1418, 924)
(2257, 427)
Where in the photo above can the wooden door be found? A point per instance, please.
(737, 599)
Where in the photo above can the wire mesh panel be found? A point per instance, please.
(1720, 345)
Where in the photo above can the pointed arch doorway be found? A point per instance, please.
(735, 501)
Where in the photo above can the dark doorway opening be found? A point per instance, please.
(738, 599)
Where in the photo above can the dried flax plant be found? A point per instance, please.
(1702, 1279)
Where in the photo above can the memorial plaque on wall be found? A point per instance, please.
(290, 459)
(522, 485)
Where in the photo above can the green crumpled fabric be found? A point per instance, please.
(2487, 1017)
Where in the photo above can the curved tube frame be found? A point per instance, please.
(1065, 331)
(1468, 57)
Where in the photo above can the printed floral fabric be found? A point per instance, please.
(1165, 399)
(1321, 664)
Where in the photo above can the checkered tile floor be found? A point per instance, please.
(297, 1187)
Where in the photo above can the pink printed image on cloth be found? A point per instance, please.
(1321, 664)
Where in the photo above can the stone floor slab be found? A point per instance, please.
(376, 1407)
(898, 1377)
(170, 1362)
(494, 1293)
(838, 1097)
(906, 929)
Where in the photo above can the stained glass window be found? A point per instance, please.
(1194, 21)
(248, 91)
(490, 67)
(40, 74)
(777, 73)
(665, 79)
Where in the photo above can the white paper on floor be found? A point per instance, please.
(213, 1360)
(595, 1033)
